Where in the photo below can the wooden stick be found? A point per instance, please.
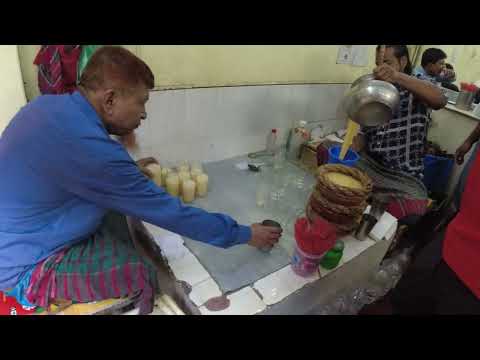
(352, 130)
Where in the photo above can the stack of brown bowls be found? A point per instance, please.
(340, 205)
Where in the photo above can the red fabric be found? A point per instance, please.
(401, 208)
(69, 67)
(461, 248)
(322, 155)
(316, 238)
(57, 69)
(10, 306)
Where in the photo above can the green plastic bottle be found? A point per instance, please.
(333, 256)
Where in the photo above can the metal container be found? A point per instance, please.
(379, 205)
(366, 226)
(366, 77)
(371, 102)
(451, 95)
(465, 100)
(272, 223)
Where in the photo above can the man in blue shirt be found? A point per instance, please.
(62, 174)
(433, 66)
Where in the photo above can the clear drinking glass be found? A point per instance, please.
(261, 190)
(279, 158)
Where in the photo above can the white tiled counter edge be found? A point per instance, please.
(249, 300)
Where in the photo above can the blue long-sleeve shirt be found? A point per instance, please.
(60, 172)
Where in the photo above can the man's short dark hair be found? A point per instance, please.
(432, 55)
(114, 66)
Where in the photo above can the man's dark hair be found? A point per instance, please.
(450, 86)
(399, 51)
(114, 66)
(432, 55)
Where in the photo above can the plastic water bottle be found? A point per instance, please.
(296, 138)
(333, 256)
(271, 141)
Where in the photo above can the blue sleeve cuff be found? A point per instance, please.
(244, 235)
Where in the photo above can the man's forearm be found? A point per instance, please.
(474, 136)
(425, 91)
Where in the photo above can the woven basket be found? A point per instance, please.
(338, 214)
(341, 206)
(340, 194)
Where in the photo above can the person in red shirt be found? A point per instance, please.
(444, 277)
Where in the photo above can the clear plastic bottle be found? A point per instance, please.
(271, 141)
(296, 138)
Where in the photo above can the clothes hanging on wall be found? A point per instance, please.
(85, 55)
(57, 68)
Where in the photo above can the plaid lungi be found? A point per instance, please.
(105, 265)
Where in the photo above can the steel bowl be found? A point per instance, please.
(371, 102)
(366, 77)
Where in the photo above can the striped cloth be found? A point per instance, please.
(400, 144)
(57, 68)
(407, 194)
(104, 266)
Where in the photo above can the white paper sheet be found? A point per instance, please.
(344, 54)
(360, 55)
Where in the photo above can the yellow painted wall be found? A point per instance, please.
(185, 66)
(12, 95)
(464, 58)
(206, 65)
(210, 65)
(29, 71)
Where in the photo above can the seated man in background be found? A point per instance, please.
(447, 78)
(66, 187)
(393, 154)
(432, 65)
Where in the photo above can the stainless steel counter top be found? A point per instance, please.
(233, 192)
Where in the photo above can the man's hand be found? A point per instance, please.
(358, 143)
(264, 236)
(385, 72)
(462, 151)
(143, 163)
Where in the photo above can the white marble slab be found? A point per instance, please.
(189, 269)
(354, 247)
(280, 284)
(383, 226)
(172, 246)
(391, 232)
(204, 291)
(243, 302)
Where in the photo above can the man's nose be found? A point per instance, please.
(143, 116)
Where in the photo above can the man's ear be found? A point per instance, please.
(109, 97)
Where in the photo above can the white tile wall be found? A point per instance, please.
(212, 124)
